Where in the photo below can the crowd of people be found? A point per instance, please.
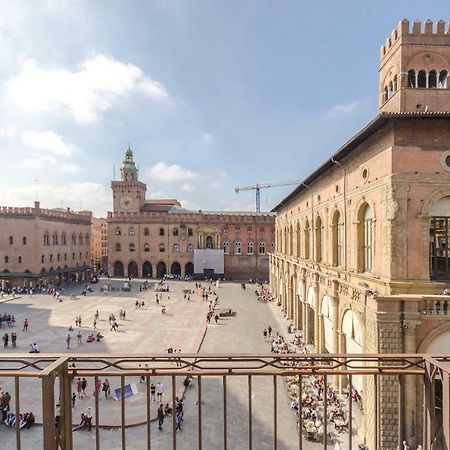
(26, 420)
(7, 320)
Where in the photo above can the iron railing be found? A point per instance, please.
(56, 373)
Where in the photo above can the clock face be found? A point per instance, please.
(125, 202)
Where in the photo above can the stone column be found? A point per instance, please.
(336, 332)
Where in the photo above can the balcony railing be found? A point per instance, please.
(52, 379)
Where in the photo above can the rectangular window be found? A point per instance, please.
(439, 252)
(367, 245)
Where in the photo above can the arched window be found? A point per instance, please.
(291, 240)
(412, 78)
(237, 248)
(11, 240)
(146, 231)
(272, 247)
(132, 247)
(432, 79)
(175, 231)
(162, 248)
(422, 79)
(391, 89)
(386, 93)
(55, 239)
(299, 241)
(131, 231)
(190, 232)
(262, 248)
(6, 259)
(43, 259)
(46, 238)
(365, 238)
(146, 248)
(337, 239)
(80, 239)
(395, 84)
(249, 248)
(443, 79)
(209, 242)
(190, 248)
(24, 240)
(237, 230)
(306, 239)
(118, 247)
(318, 239)
(176, 248)
(86, 239)
(226, 248)
(63, 238)
(74, 239)
(161, 231)
(118, 231)
(19, 259)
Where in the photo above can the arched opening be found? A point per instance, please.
(337, 239)
(147, 270)
(189, 269)
(443, 79)
(161, 269)
(352, 330)
(307, 230)
(118, 247)
(310, 312)
(318, 240)
(175, 269)
(439, 254)
(422, 79)
(118, 269)
(237, 248)
(209, 243)
(395, 83)
(226, 248)
(146, 248)
(299, 241)
(391, 89)
(328, 325)
(365, 238)
(146, 231)
(432, 79)
(132, 269)
(412, 78)
(291, 240)
(386, 94)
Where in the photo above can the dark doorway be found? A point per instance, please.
(147, 270)
(118, 269)
(161, 269)
(132, 269)
(189, 269)
(175, 269)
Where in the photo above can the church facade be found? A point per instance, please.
(362, 257)
(153, 238)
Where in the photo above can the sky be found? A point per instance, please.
(209, 94)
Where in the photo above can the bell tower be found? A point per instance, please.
(414, 68)
(129, 192)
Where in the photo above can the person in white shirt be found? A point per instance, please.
(159, 391)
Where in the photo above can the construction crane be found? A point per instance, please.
(257, 187)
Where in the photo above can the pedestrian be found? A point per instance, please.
(68, 339)
(269, 330)
(79, 388)
(95, 324)
(96, 315)
(216, 318)
(13, 339)
(84, 386)
(89, 418)
(159, 391)
(265, 334)
(106, 387)
(74, 398)
(5, 339)
(152, 392)
(25, 325)
(178, 420)
(160, 417)
(79, 336)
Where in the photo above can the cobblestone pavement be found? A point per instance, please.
(240, 334)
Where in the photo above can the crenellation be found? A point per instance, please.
(417, 27)
(428, 27)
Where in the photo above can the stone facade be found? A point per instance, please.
(361, 256)
(99, 243)
(41, 246)
(151, 238)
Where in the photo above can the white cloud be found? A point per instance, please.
(48, 142)
(156, 194)
(78, 196)
(85, 94)
(69, 167)
(345, 108)
(7, 132)
(188, 187)
(38, 162)
(207, 138)
(170, 173)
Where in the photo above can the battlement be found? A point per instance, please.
(55, 214)
(428, 30)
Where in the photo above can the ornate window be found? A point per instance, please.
(118, 231)
(336, 240)
(74, 239)
(237, 248)
(80, 239)
(365, 238)
(318, 239)
(146, 248)
(162, 248)
(299, 240)
(249, 230)
(175, 231)
(146, 231)
(176, 248)
(190, 232)
(55, 239)
(132, 247)
(118, 247)
(131, 231)
(226, 248)
(306, 239)
(262, 248)
(161, 231)
(46, 238)
(63, 238)
(249, 248)
(209, 243)
(190, 248)
(237, 230)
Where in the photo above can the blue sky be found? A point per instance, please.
(210, 94)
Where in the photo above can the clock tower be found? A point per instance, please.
(129, 192)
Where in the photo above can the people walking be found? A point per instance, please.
(160, 417)
(25, 325)
(5, 340)
(159, 391)
(68, 339)
(13, 339)
(80, 338)
(106, 387)
(152, 392)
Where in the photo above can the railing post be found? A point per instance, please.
(48, 411)
(65, 415)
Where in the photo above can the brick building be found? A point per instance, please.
(362, 256)
(41, 246)
(151, 238)
(99, 243)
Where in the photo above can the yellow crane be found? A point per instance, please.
(258, 186)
